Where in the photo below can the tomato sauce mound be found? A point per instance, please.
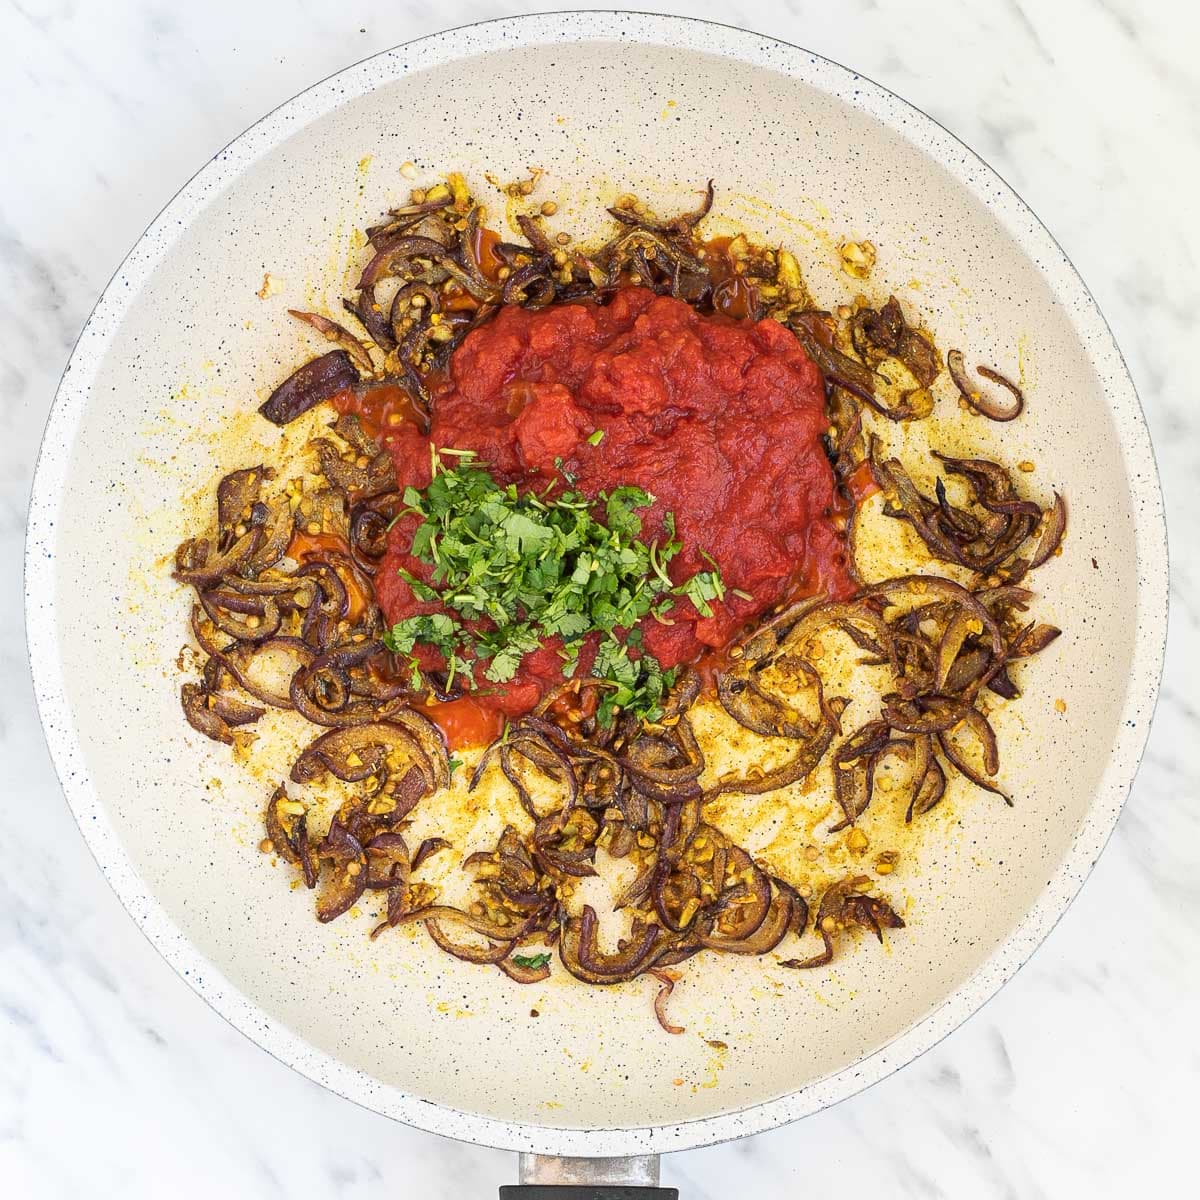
(720, 420)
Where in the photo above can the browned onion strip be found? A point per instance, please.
(879, 333)
(331, 331)
(800, 766)
(284, 818)
(246, 618)
(543, 755)
(406, 217)
(935, 586)
(745, 701)
(494, 953)
(346, 879)
(196, 564)
(668, 979)
(244, 661)
(394, 250)
(1033, 639)
(638, 888)
(681, 224)
(215, 716)
(843, 906)
(983, 731)
(445, 913)
(237, 494)
(581, 954)
(771, 930)
(388, 861)
(319, 380)
(565, 842)
(838, 368)
(432, 743)
(323, 694)
(427, 849)
(233, 711)
(1052, 532)
(665, 766)
(853, 787)
(358, 483)
(988, 406)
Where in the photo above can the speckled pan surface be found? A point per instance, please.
(179, 349)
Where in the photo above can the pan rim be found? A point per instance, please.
(682, 33)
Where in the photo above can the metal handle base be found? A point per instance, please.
(571, 1191)
(546, 1178)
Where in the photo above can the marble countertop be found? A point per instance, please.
(1079, 1079)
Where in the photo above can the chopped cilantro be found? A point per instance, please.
(521, 568)
(534, 962)
(596, 438)
(453, 763)
(703, 587)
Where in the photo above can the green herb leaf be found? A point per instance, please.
(534, 962)
(596, 438)
(703, 587)
(534, 567)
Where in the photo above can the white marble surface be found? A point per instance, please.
(1079, 1079)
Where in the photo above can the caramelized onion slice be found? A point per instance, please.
(237, 494)
(956, 754)
(427, 849)
(845, 906)
(388, 861)
(668, 979)
(197, 564)
(320, 379)
(928, 788)
(493, 953)
(355, 753)
(395, 250)
(769, 932)
(346, 878)
(682, 224)
(331, 331)
(753, 708)
(836, 367)
(986, 404)
(215, 714)
(581, 955)
(284, 820)
(1052, 532)
(800, 766)
(245, 618)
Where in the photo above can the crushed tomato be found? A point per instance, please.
(719, 419)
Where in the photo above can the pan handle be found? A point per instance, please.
(546, 1178)
(569, 1191)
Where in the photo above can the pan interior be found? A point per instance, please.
(170, 407)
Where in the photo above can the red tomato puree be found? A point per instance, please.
(720, 420)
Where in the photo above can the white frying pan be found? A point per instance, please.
(158, 400)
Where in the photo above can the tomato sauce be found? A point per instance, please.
(466, 722)
(380, 407)
(719, 419)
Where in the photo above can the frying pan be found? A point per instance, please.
(158, 399)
